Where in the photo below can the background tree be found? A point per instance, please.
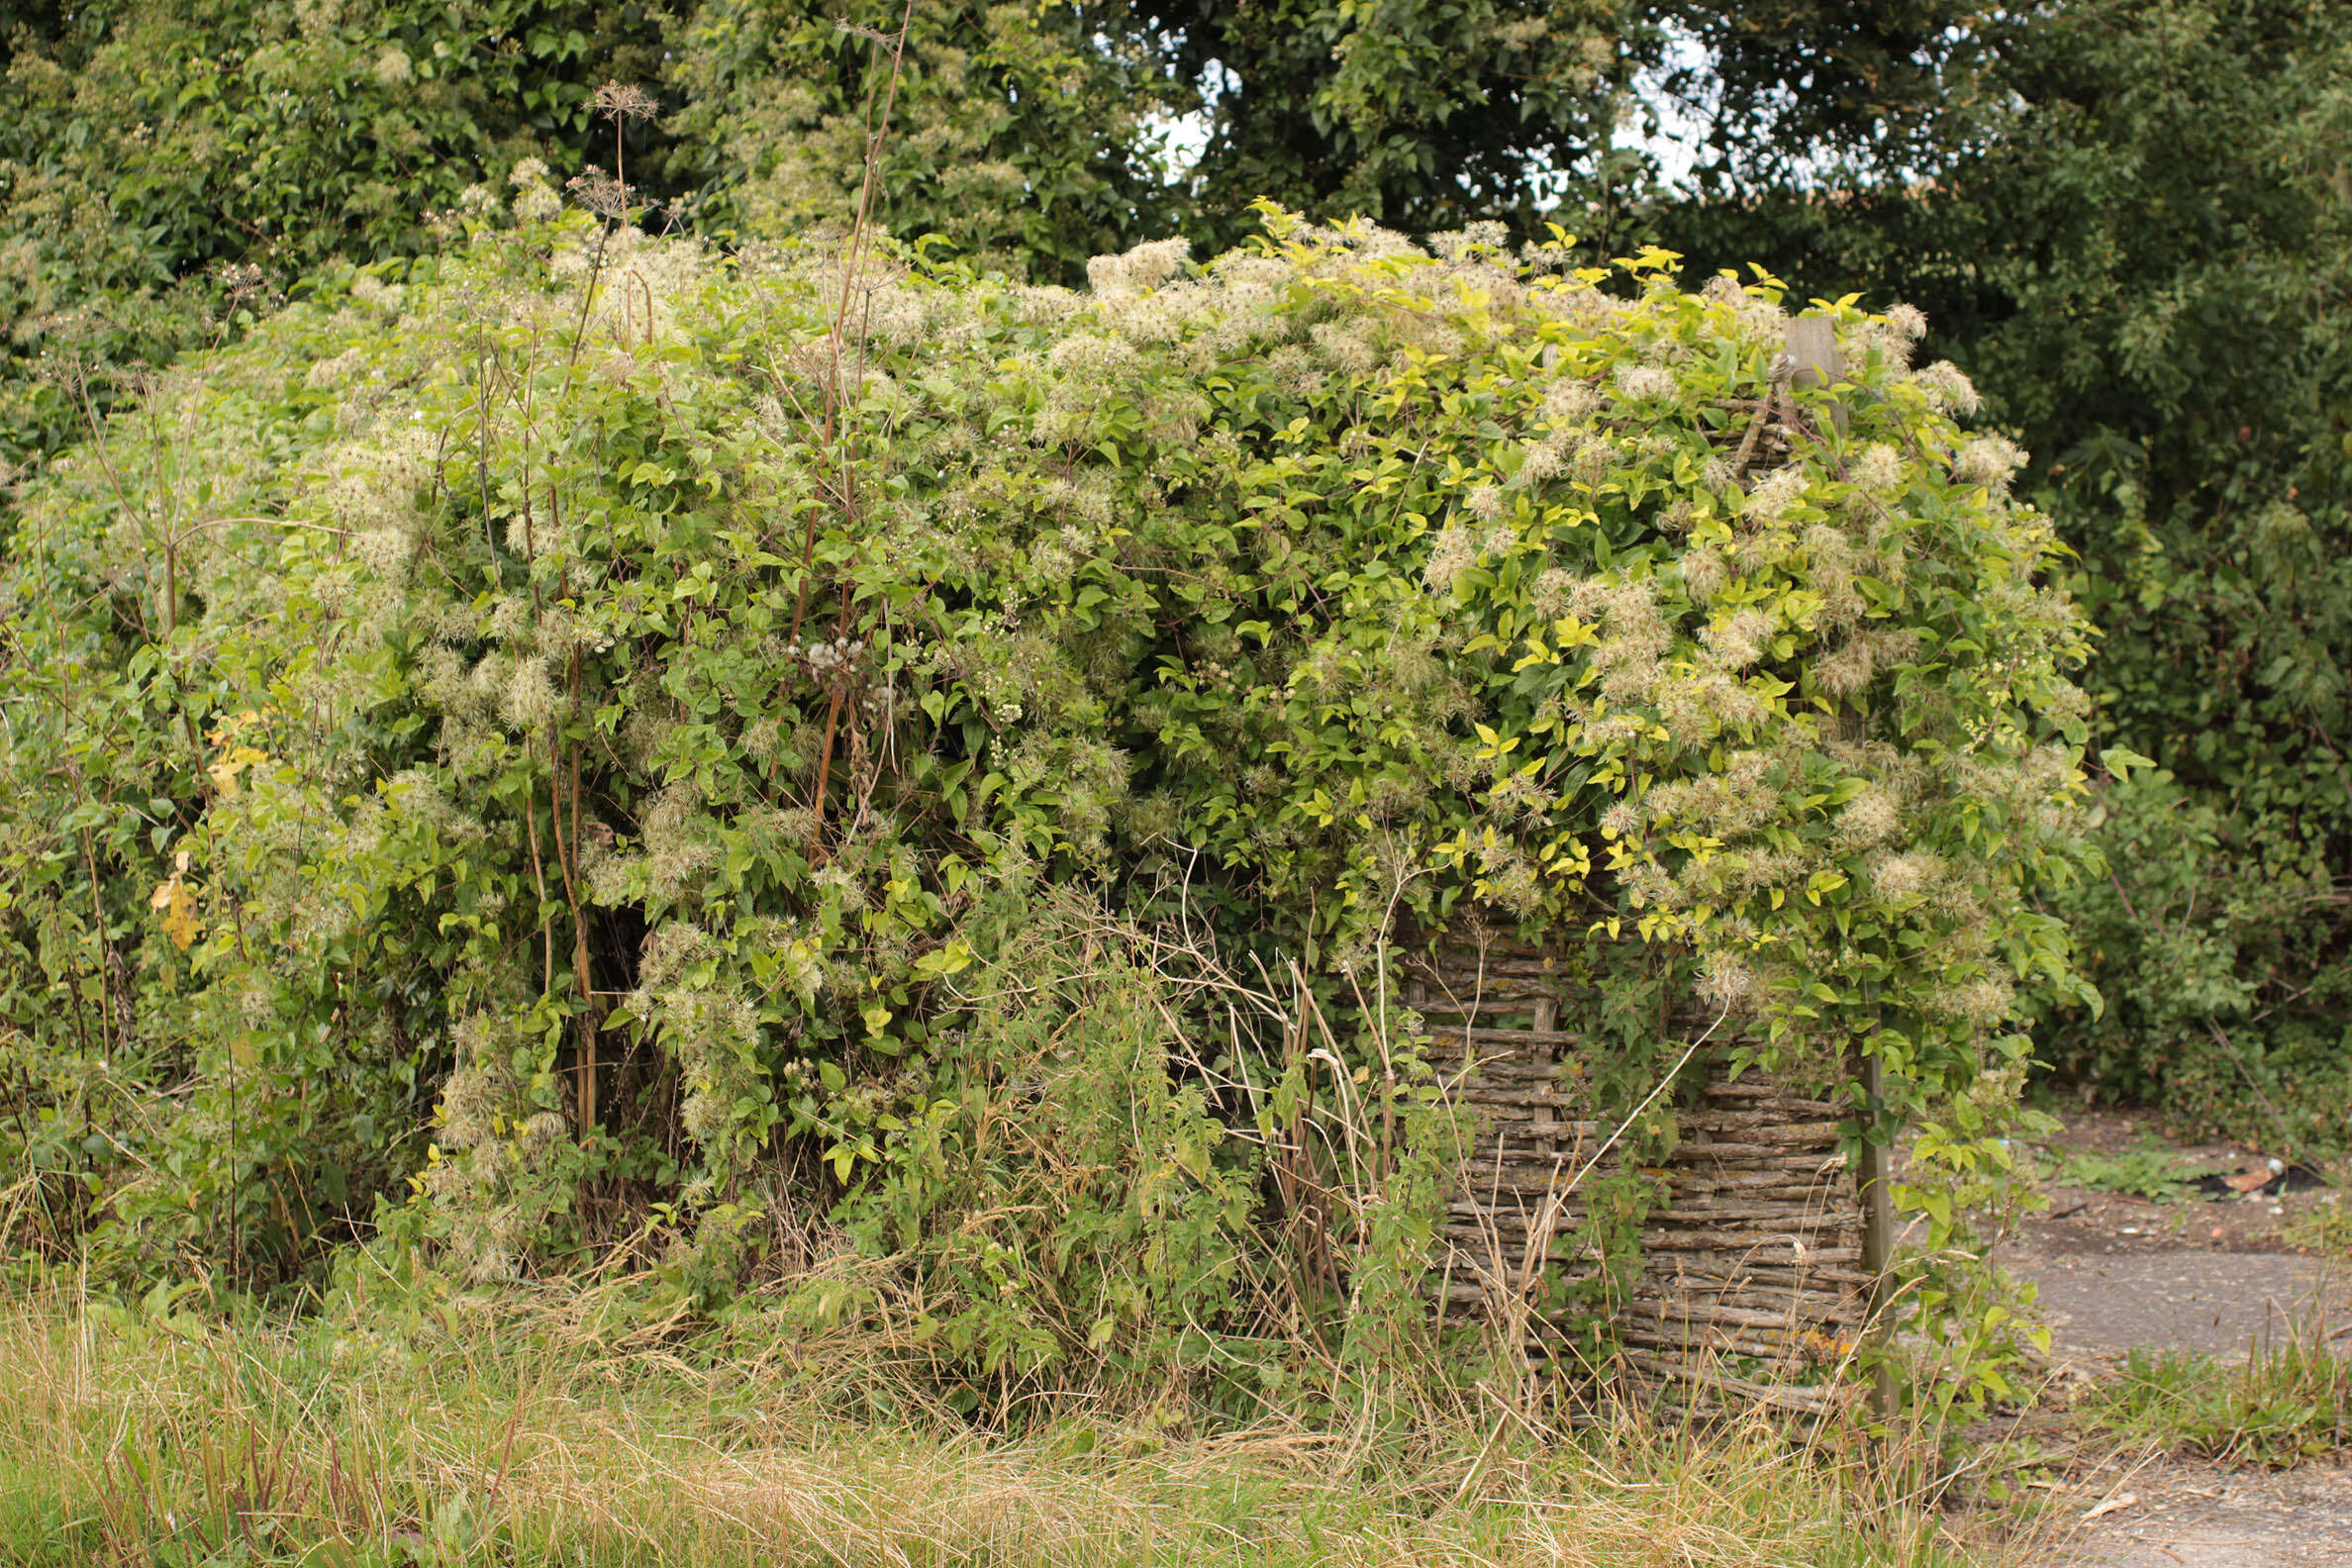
(1424, 116)
(1027, 136)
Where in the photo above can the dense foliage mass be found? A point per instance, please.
(599, 728)
(585, 739)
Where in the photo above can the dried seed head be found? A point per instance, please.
(624, 101)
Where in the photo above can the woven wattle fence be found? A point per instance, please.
(1753, 1272)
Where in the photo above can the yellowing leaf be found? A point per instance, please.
(178, 908)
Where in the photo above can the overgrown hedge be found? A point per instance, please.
(588, 743)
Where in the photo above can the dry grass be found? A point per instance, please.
(407, 1434)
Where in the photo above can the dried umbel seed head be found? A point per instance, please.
(624, 101)
(600, 193)
(241, 279)
(823, 658)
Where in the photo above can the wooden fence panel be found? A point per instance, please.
(1758, 1253)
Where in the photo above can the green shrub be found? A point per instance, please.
(616, 697)
(1054, 1197)
(2191, 941)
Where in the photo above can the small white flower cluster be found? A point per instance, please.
(535, 200)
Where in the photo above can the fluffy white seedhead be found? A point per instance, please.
(1146, 266)
(1775, 494)
(1989, 461)
(1950, 391)
(1644, 383)
(1879, 470)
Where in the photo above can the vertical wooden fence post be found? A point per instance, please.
(1812, 352)
(1878, 1233)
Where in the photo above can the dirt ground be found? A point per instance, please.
(2198, 1517)
(2081, 1221)
(2117, 1273)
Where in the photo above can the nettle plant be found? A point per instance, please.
(625, 707)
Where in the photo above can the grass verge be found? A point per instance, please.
(2287, 1402)
(450, 1437)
